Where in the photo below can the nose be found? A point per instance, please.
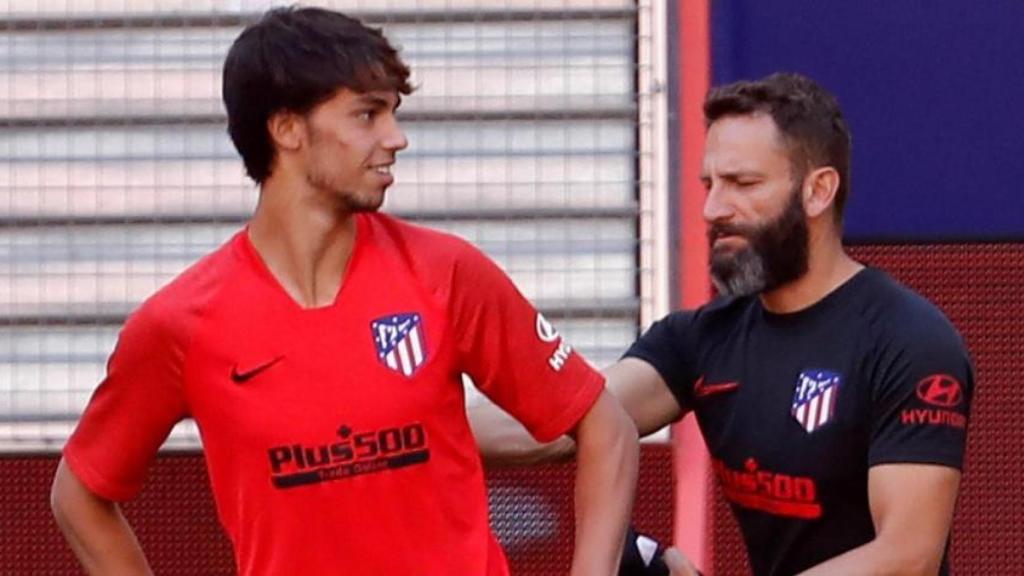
(394, 137)
(716, 208)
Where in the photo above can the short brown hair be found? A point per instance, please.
(807, 116)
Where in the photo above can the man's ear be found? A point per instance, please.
(286, 130)
(819, 190)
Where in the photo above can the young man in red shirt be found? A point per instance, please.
(321, 351)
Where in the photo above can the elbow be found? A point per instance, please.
(912, 568)
(913, 561)
(919, 565)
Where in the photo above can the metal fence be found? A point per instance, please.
(527, 137)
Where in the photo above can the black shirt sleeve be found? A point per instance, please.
(923, 386)
(668, 348)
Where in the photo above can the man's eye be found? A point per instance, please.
(365, 116)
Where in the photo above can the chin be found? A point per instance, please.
(370, 202)
(366, 208)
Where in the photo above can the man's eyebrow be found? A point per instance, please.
(741, 174)
(376, 101)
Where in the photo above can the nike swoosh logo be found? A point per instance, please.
(703, 390)
(242, 376)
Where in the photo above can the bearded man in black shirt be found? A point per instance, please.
(832, 399)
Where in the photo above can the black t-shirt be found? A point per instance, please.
(795, 408)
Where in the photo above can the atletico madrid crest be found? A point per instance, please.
(400, 342)
(814, 401)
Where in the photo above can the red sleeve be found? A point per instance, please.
(133, 409)
(514, 355)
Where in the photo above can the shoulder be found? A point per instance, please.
(719, 314)
(687, 329)
(723, 310)
(900, 316)
(414, 239)
(434, 255)
(908, 338)
(173, 310)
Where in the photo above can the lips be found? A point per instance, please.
(725, 235)
(383, 172)
(725, 241)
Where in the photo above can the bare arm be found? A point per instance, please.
(643, 393)
(912, 509)
(503, 441)
(635, 384)
(95, 528)
(607, 461)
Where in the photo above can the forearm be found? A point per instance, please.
(607, 460)
(912, 509)
(877, 557)
(636, 385)
(95, 529)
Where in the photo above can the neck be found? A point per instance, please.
(828, 268)
(305, 241)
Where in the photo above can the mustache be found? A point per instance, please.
(716, 231)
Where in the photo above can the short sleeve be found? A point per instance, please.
(132, 411)
(665, 346)
(514, 355)
(922, 397)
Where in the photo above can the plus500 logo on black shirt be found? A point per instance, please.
(767, 491)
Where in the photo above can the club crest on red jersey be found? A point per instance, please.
(814, 400)
(400, 342)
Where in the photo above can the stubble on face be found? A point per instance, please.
(776, 252)
(328, 172)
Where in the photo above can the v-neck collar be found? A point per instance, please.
(249, 253)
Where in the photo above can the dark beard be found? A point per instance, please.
(776, 253)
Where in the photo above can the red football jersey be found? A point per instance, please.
(336, 438)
